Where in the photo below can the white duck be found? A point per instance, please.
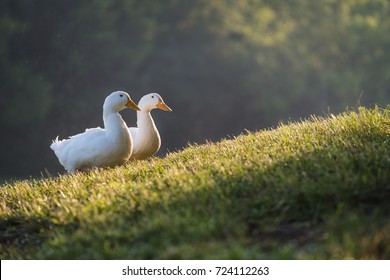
(146, 139)
(99, 147)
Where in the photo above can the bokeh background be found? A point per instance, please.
(222, 66)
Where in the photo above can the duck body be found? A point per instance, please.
(99, 147)
(146, 138)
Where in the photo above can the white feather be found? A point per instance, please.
(146, 138)
(98, 147)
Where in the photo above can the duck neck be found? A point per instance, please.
(113, 123)
(146, 123)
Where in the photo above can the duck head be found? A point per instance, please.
(153, 101)
(118, 101)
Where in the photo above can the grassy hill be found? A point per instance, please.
(315, 189)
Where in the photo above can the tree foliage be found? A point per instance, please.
(223, 66)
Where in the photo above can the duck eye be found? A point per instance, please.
(121, 95)
(152, 96)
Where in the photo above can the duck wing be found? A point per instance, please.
(79, 150)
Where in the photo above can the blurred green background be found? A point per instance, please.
(222, 66)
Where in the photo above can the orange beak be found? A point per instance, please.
(130, 104)
(163, 106)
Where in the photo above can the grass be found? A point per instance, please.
(317, 189)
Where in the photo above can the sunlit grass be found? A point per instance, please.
(314, 189)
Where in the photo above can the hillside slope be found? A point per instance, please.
(315, 189)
